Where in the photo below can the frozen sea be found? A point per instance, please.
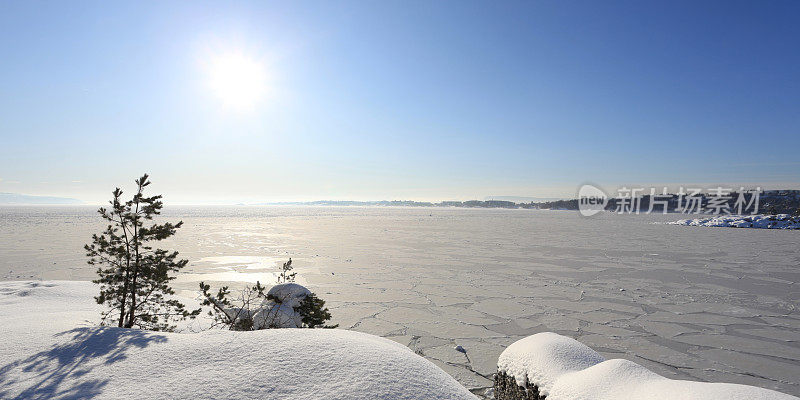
(709, 304)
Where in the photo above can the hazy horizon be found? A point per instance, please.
(61, 200)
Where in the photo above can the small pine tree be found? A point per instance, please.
(772, 209)
(314, 312)
(134, 277)
(285, 275)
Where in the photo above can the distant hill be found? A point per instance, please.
(521, 199)
(411, 203)
(770, 202)
(16, 198)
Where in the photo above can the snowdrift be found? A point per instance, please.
(562, 368)
(52, 349)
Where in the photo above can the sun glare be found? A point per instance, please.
(239, 81)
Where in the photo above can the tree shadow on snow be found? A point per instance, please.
(57, 373)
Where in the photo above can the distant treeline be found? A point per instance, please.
(765, 202)
(769, 202)
(410, 203)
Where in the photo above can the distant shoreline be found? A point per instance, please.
(771, 202)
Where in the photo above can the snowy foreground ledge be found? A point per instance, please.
(780, 221)
(560, 368)
(51, 349)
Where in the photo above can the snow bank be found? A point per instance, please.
(52, 348)
(626, 380)
(780, 221)
(565, 369)
(540, 359)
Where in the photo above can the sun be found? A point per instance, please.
(238, 80)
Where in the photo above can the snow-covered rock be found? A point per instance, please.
(52, 348)
(541, 358)
(289, 291)
(780, 221)
(564, 369)
(279, 310)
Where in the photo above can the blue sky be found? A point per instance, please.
(428, 100)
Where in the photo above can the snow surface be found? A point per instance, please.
(565, 369)
(780, 221)
(52, 348)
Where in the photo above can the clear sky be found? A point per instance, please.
(427, 100)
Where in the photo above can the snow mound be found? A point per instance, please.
(568, 370)
(52, 349)
(541, 358)
(626, 380)
(290, 290)
(279, 310)
(780, 221)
